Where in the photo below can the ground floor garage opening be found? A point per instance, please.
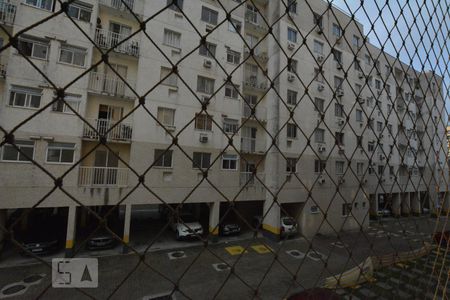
(242, 213)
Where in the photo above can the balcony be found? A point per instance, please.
(254, 22)
(110, 85)
(259, 56)
(260, 112)
(248, 179)
(120, 132)
(7, 13)
(108, 39)
(119, 4)
(252, 83)
(103, 177)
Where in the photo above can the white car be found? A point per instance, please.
(186, 226)
(288, 226)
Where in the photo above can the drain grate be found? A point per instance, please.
(296, 254)
(176, 255)
(316, 256)
(14, 289)
(221, 267)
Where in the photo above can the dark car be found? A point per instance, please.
(101, 240)
(230, 228)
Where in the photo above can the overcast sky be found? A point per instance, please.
(428, 20)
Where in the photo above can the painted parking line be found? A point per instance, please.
(235, 250)
(262, 249)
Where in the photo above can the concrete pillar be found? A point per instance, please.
(71, 230)
(126, 228)
(3, 217)
(396, 205)
(405, 204)
(271, 211)
(373, 205)
(214, 217)
(445, 203)
(415, 203)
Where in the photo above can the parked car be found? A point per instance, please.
(384, 213)
(101, 240)
(185, 226)
(229, 228)
(288, 227)
(442, 238)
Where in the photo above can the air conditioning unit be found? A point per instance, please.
(170, 127)
(321, 180)
(203, 138)
(360, 75)
(320, 87)
(340, 93)
(341, 122)
(341, 180)
(361, 100)
(321, 149)
(320, 58)
(291, 77)
(341, 151)
(383, 180)
(319, 30)
(382, 157)
(364, 181)
(339, 40)
(291, 46)
(205, 99)
(207, 63)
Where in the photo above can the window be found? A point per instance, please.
(203, 122)
(318, 20)
(25, 97)
(318, 75)
(63, 106)
(319, 135)
(389, 127)
(377, 84)
(33, 48)
(339, 138)
(379, 126)
(358, 89)
(163, 158)
(209, 16)
(355, 41)
(370, 81)
(319, 166)
(292, 35)
(338, 81)
(9, 153)
(359, 141)
(72, 55)
(337, 31)
(318, 47)
(320, 103)
(166, 116)
(233, 57)
(367, 59)
(171, 80)
(208, 50)
(340, 167)
(292, 6)
(357, 65)
(337, 55)
(234, 25)
(176, 5)
(292, 67)
(380, 170)
(201, 160)
(229, 162)
(291, 97)
(60, 153)
(80, 11)
(205, 85)
(230, 126)
(359, 168)
(172, 38)
(359, 115)
(291, 131)
(346, 209)
(291, 165)
(314, 209)
(370, 146)
(391, 170)
(231, 91)
(339, 110)
(44, 4)
(370, 170)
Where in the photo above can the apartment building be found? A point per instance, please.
(336, 129)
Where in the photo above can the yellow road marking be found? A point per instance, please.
(235, 250)
(261, 249)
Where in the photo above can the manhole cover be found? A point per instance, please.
(296, 253)
(314, 255)
(176, 255)
(34, 278)
(14, 289)
(221, 267)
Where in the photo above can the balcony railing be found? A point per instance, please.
(7, 12)
(119, 4)
(252, 82)
(108, 39)
(249, 179)
(111, 85)
(103, 177)
(260, 112)
(120, 132)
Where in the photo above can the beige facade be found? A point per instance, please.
(107, 103)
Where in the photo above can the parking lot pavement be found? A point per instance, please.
(217, 271)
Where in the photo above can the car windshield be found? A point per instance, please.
(288, 221)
